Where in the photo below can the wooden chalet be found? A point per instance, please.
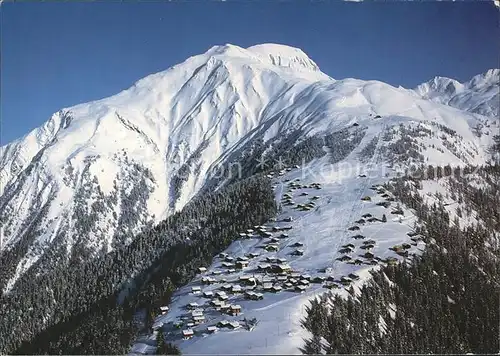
(300, 288)
(212, 329)
(344, 258)
(368, 255)
(345, 250)
(358, 237)
(241, 264)
(187, 334)
(235, 310)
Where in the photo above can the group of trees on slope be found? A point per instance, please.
(89, 308)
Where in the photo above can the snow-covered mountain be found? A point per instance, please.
(479, 95)
(97, 173)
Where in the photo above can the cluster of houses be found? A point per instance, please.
(271, 274)
(368, 245)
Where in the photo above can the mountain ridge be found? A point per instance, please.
(109, 168)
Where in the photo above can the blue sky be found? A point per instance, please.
(59, 54)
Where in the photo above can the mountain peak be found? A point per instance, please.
(283, 56)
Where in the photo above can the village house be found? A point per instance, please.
(297, 244)
(305, 276)
(304, 282)
(353, 276)
(263, 266)
(281, 260)
(345, 250)
(344, 258)
(360, 221)
(368, 255)
(367, 215)
(318, 279)
(193, 305)
(235, 310)
(241, 264)
(236, 289)
(187, 334)
(253, 296)
(267, 286)
(234, 324)
(164, 310)
(272, 248)
(223, 255)
(208, 294)
(276, 288)
(280, 268)
(216, 273)
(216, 303)
(330, 285)
(212, 329)
(345, 280)
(190, 324)
(358, 237)
(283, 236)
(221, 295)
(227, 264)
(231, 270)
(300, 288)
(288, 219)
(297, 252)
(288, 285)
(223, 323)
(349, 246)
(197, 320)
(253, 255)
(157, 325)
(208, 280)
(229, 259)
(196, 290)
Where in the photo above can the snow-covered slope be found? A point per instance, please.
(97, 173)
(479, 95)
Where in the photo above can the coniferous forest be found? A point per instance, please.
(90, 307)
(444, 301)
